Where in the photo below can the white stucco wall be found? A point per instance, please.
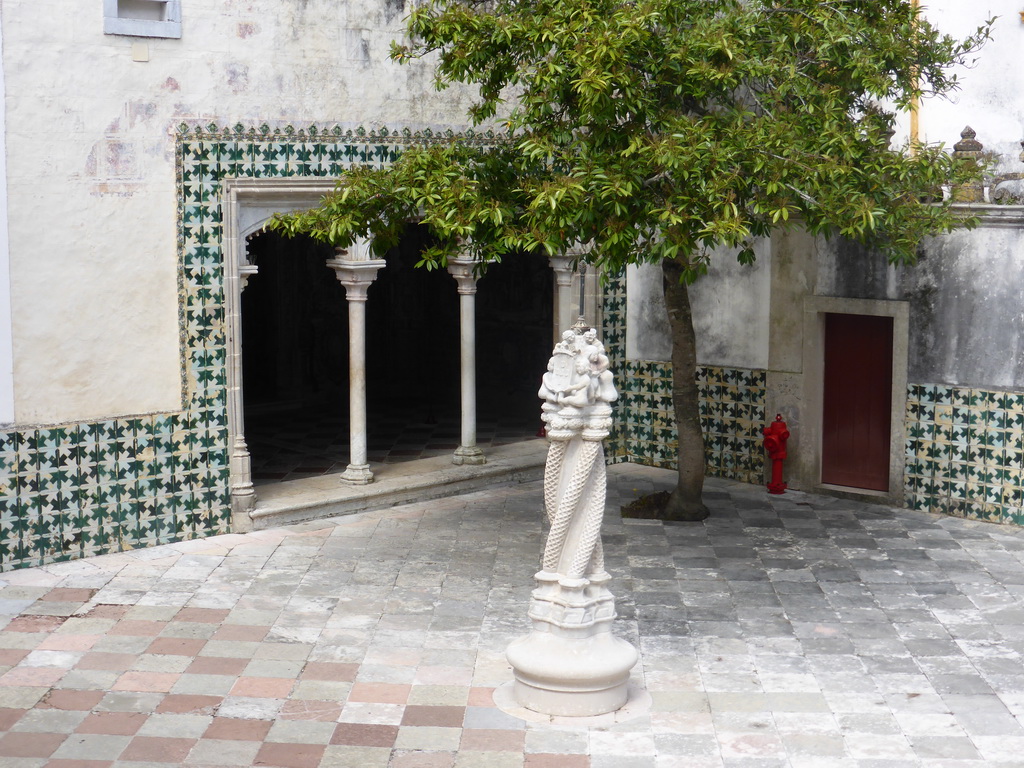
(90, 139)
(989, 99)
(6, 348)
(730, 311)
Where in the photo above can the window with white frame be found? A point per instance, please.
(142, 18)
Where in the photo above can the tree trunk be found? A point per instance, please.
(685, 502)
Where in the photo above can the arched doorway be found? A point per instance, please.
(294, 360)
(515, 315)
(294, 356)
(412, 357)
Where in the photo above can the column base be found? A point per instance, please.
(357, 474)
(468, 455)
(571, 664)
(243, 502)
(571, 676)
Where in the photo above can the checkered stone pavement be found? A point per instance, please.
(783, 631)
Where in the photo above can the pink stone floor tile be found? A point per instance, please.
(263, 687)
(11, 656)
(113, 723)
(326, 670)
(66, 595)
(384, 693)
(154, 682)
(176, 646)
(188, 704)
(79, 764)
(34, 624)
(545, 760)
(281, 755)
(9, 717)
(481, 697)
(30, 744)
(154, 749)
(61, 642)
(309, 709)
(439, 716)
(237, 729)
(41, 677)
(217, 665)
(71, 700)
(490, 740)
(365, 735)
(202, 615)
(108, 611)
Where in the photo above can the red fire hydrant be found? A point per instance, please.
(775, 437)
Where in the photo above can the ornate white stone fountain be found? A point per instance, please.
(571, 664)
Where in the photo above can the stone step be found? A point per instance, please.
(326, 496)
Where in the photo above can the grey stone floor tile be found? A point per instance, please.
(129, 701)
(179, 726)
(212, 685)
(793, 631)
(223, 752)
(49, 721)
(87, 746)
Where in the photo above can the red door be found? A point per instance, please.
(857, 399)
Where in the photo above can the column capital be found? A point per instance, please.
(576, 250)
(358, 251)
(563, 269)
(245, 271)
(461, 268)
(356, 275)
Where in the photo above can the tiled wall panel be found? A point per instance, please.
(85, 489)
(732, 413)
(964, 452)
(732, 410)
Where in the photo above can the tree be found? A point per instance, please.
(655, 130)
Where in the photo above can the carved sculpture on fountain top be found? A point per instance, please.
(578, 390)
(570, 663)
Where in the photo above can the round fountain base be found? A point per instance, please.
(571, 676)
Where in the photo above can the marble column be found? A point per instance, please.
(356, 275)
(462, 270)
(243, 492)
(563, 289)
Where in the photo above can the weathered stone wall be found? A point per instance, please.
(730, 312)
(966, 314)
(91, 164)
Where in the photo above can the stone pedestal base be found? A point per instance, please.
(470, 455)
(357, 474)
(571, 664)
(571, 676)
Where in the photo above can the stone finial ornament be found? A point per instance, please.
(968, 149)
(968, 142)
(571, 664)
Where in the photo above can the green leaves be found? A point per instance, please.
(657, 129)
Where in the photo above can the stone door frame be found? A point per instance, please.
(246, 204)
(814, 310)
